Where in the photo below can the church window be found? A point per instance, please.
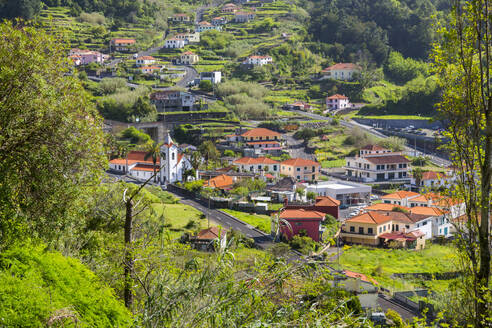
(172, 156)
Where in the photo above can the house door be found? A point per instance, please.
(446, 231)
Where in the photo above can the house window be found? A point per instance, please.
(369, 231)
(298, 177)
(298, 169)
(352, 229)
(397, 227)
(361, 230)
(380, 229)
(384, 228)
(425, 223)
(407, 226)
(275, 167)
(314, 169)
(172, 156)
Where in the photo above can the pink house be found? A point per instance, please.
(301, 220)
(84, 57)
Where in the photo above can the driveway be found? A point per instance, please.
(296, 147)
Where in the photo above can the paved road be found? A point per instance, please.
(261, 239)
(296, 147)
(385, 302)
(435, 159)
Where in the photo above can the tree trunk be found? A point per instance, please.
(128, 293)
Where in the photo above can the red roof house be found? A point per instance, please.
(301, 221)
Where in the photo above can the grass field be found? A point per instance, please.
(262, 222)
(333, 163)
(381, 263)
(178, 216)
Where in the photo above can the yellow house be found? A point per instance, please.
(379, 228)
(300, 169)
(188, 58)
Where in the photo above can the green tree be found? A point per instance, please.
(463, 61)
(51, 142)
(311, 195)
(206, 85)
(417, 175)
(209, 151)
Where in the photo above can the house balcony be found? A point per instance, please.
(357, 235)
(404, 169)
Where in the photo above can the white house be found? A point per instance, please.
(258, 60)
(214, 77)
(243, 16)
(150, 69)
(337, 101)
(341, 71)
(84, 57)
(381, 166)
(348, 193)
(206, 26)
(145, 61)
(401, 198)
(174, 43)
(257, 165)
(433, 179)
(191, 37)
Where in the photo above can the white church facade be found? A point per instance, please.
(170, 165)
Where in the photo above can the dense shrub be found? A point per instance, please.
(36, 286)
(92, 18)
(402, 70)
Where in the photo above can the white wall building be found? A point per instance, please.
(174, 43)
(257, 165)
(258, 60)
(173, 162)
(337, 102)
(348, 193)
(214, 77)
(341, 71)
(145, 60)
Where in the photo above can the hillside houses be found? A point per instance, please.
(84, 57)
(123, 45)
(187, 58)
(243, 16)
(258, 60)
(217, 21)
(378, 165)
(341, 71)
(145, 61)
(206, 26)
(190, 37)
(229, 8)
(173, 101)
(150, 69)
(301, 220)
(181, 18)
(301, 169)
(174, 43)
(337, 101)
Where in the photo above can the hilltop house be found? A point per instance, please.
(300, 169)
(174, 43)
(258, 60)
(170, 165)
(301, 221)
(257, 165)
(298, 105)
(145, 61)
(173, 101)
(230, 8)
(150, 69)
(187, 58)
(206, 26)
(379, 165)
(243, 16)
(337, 102)
(84, 57)
(181, 18)
(216, 21)
(122, 45)
(190, 37)
(341, 71)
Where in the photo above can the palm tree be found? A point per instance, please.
(417, 175)
(195, 161)
(153, 150)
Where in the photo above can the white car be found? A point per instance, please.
(374, 197)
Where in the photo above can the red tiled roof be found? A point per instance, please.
(146, 58)
(426, 197)
(211, 233)
(204, 23)
(373, 147)
(337, 96)
(342, 66)
(400, 235)
(401, 194)
(431, 175)
(260, 132)
(384, 207)
(259, 57)
(301, 214)
(263, 142)
(258, 160)
(423, 210)
(388, 159)
(299, 162)
(145, 167)
(360, 276)
(326, 201)
(150, 67)
(221, 181)
(188, 53)
(128, 41)
(370, 217)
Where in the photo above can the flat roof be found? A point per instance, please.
(336, 186)
(339, 185)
